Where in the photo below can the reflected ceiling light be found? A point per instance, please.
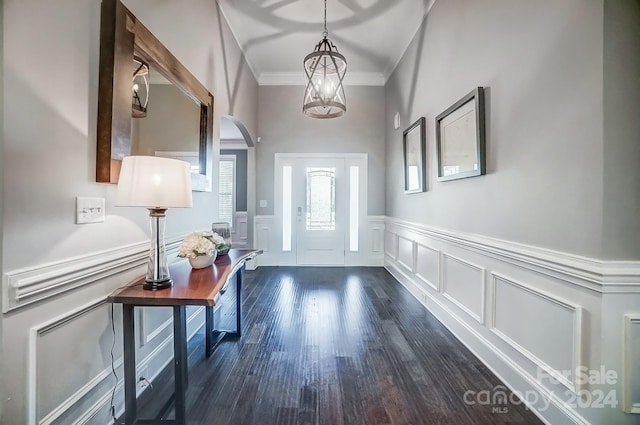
(140, 88)
(324, 69)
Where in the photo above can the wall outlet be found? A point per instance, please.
(141, 380)
(89, 210)
(263, 203)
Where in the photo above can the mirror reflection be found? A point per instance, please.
(171, 125)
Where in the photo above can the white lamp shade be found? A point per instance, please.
(154, 182)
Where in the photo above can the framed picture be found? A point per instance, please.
(414, 148)
(460, 138)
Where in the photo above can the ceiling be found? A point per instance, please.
(276, 35)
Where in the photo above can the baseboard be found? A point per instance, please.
(508, 371)
(531, 314)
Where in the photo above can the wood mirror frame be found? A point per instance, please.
(122, 34)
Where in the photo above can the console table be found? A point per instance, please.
(190, 287)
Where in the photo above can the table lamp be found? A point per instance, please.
(157, 184)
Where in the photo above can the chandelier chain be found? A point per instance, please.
(325, 33)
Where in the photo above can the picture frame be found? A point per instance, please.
(414, 157)
(460, 138)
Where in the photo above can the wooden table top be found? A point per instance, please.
(190, 286)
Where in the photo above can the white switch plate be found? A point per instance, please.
(89, 210)
(263, 203)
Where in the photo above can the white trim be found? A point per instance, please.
(409, 267)
(376, 79)
(483, 283)
(167, 324)
(32, 371)
(240, 46)
(484, 349)
(576, 358)
(393, 65)
(596, 275)
(629, 406)
(236, 144)
(391, 251)
(232, 158)
(435, 286)
(377, 233)
(102, 402)
(239, 232)
(32, 284)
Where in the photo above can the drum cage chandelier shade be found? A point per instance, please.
(140, 88)
(324, 70)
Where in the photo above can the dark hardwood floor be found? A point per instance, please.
(335, 346)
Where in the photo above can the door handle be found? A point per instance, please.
(299, 213)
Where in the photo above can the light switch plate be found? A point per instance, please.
(263, 203)
(89, 210)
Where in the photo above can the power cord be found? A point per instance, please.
(112, 409)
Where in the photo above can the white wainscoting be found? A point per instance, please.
(72, 382)
(631, 374)
(543, 310)
(92, 399)
(427, 263)
(239, 230)
(29, 285)
(267, 237)
(463, 283)
(555, 336)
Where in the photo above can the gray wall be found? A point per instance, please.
(172, 123)
(621, 129)
(542, 65)
(49, 150)
(241, 177)
(284, 129)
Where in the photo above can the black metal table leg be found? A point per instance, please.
(239, 302)
(208, 330)
(180, 362)
(129, 365)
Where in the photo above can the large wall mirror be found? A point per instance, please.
(176, 118)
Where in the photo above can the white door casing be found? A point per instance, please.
(303, 240)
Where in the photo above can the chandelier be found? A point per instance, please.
(324, 69)
(140, 88)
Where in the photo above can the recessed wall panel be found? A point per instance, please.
(427, 265)
(62, 370)
(464, 285)
(390, 244)
(545, 329)
(405, 253)
(631, 375)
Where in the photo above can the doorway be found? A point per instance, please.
(318, 204)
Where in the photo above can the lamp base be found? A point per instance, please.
(154, 285)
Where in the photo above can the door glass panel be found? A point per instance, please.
(321, 198)
(354, 204)
(286, 208)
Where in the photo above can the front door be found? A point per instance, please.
(318, 202)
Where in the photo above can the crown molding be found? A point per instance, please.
(298, 79)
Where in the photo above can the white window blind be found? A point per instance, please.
(226, 190)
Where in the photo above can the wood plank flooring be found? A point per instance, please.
(334, 346)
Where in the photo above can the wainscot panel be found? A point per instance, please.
(268, 237)
(631, 375)
(556, 335)
(546, 316)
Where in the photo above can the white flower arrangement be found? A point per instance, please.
(201, 243)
